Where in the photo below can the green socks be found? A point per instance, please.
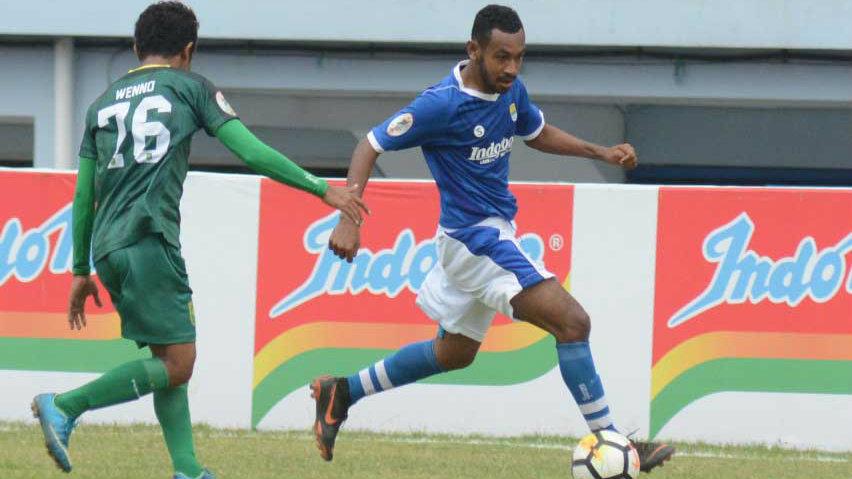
(131, 381)
(124, 383)
(172, 408)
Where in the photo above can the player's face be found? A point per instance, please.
(499, 63)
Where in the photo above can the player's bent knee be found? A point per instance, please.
(180, 376)
(180, 371)
(574, 326)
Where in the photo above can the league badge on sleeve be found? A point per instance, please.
(513, 112)
(224, 105)
(399, 125)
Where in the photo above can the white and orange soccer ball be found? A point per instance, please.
(605, 455)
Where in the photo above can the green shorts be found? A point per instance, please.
(149, 287)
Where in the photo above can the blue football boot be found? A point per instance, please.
(56, 427)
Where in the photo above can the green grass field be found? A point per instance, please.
(101, 452)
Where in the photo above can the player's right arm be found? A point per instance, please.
(421, 122)
(346, 237)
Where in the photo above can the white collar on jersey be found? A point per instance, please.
(471, 91)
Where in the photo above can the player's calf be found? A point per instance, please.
(550, 307)
(455, 351)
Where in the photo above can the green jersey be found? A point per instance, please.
(139, 132)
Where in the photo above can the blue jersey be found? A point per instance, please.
(466, 137)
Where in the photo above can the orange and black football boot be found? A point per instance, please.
(652, 454)
(332, 397)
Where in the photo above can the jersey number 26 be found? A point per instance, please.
(141, 129)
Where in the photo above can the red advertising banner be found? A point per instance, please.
(753, 293)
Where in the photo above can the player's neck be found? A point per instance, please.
(159, 60)
(472, 79)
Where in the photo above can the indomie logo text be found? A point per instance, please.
(387, 271)
(492, 152)
(24, 254)
(743, 275)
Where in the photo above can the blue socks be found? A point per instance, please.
(411, 363)
(417, 361)
(578, 372)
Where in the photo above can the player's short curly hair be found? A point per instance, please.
(492, 16)
(165, 28)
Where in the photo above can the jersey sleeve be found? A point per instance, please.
(421, 122)
(530, 118)
(83, 216)
(88, 147)
(210, 106)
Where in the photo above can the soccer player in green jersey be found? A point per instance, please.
(133, 161)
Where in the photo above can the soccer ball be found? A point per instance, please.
(605, 455)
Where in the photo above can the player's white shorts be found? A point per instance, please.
(480, 269)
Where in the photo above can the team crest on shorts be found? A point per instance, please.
(400, 124)
(224, 105)
(513, 112)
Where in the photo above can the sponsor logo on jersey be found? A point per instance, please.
(401, 124)
(224, 105)
(513, 112)
(492, 152)
(479, 131)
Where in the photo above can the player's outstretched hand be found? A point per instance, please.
(345, 240)
(81, 288)
(622, 155)
(347, 201)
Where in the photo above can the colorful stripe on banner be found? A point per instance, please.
(758, 362)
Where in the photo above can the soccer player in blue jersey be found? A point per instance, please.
(466, 125)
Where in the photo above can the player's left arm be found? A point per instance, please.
(558, 142)
(271, 163)
(219, 119)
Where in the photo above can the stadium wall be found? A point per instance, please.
(754, 24)
(719, 314)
